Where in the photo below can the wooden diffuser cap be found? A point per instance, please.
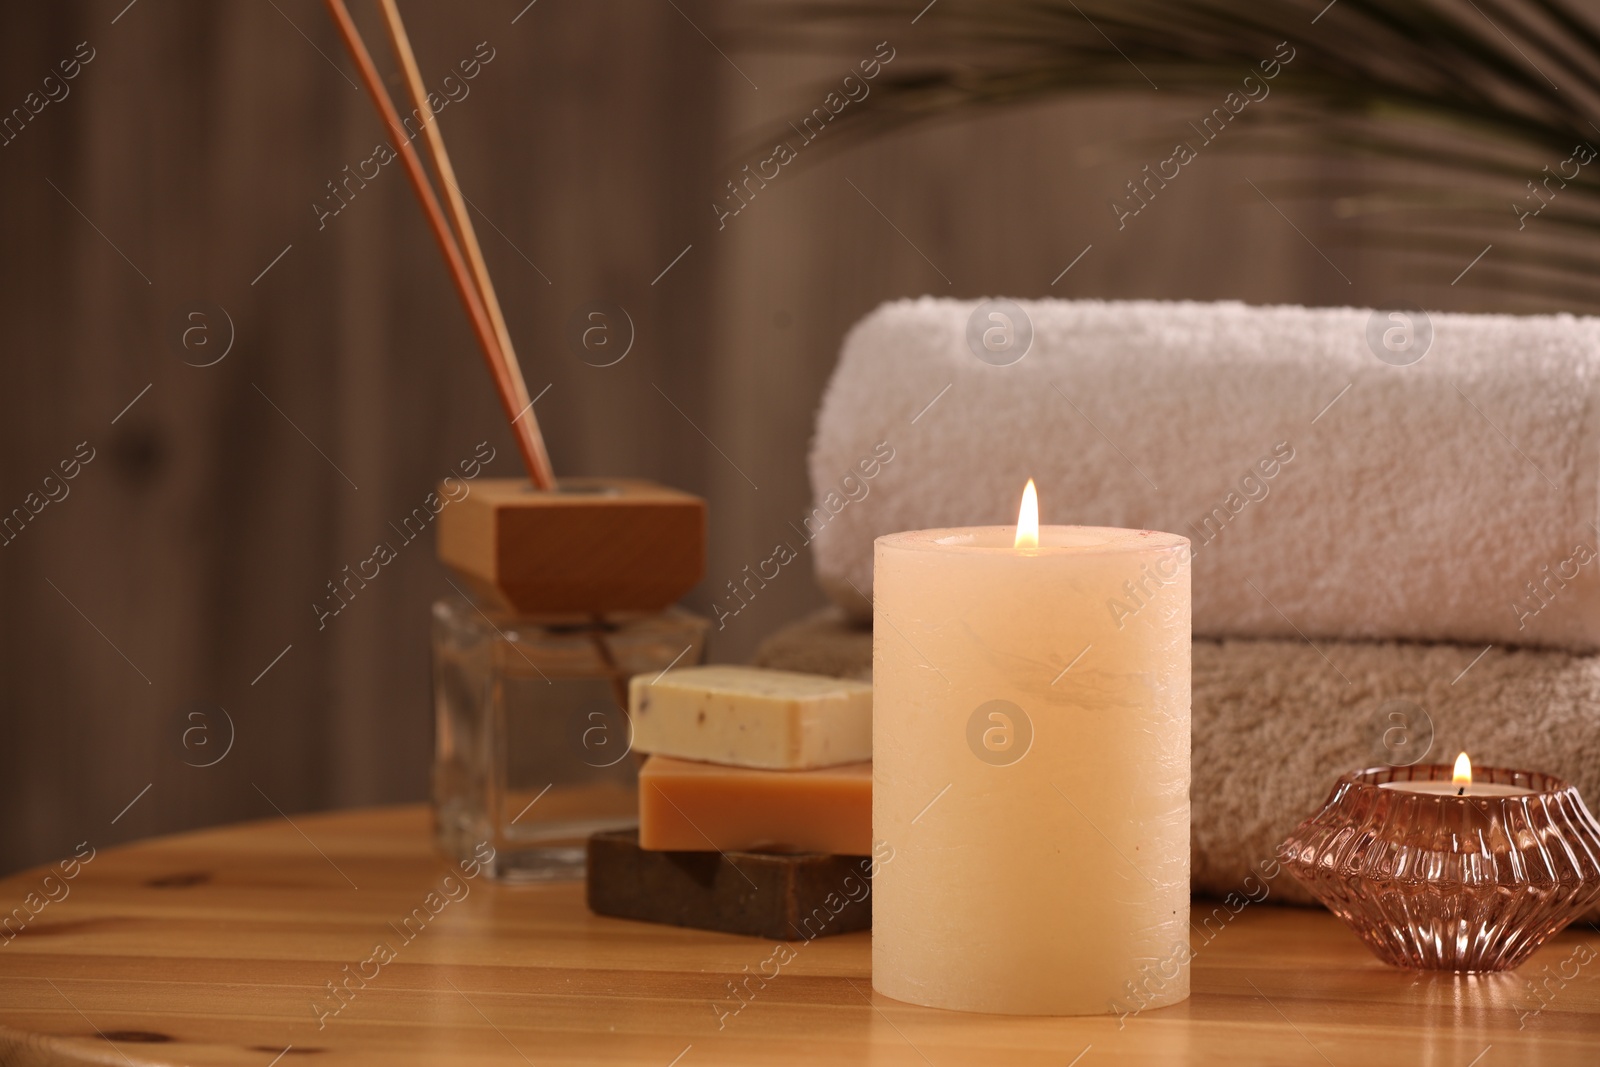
(595, 545)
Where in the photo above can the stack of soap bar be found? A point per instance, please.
(752, 717)
(685, 806)
(755, 804)
(786, 898)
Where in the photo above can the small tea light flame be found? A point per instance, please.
(1461, 778)
(1028, 518)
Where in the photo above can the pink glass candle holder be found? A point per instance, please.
(1450, 882)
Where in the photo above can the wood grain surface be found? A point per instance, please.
(214, 948)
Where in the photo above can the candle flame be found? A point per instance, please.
(1463, 772)
(1028, 519)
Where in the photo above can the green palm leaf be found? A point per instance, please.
(1477, 102)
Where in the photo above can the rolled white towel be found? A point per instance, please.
(1328, 492)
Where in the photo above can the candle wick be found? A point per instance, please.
(1461, 792)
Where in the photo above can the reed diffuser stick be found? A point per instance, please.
(524, 425)
(454, 200)
(465, 231)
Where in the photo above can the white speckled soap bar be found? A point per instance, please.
(752, 717)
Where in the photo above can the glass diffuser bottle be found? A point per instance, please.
(533, 748)
(568, 595)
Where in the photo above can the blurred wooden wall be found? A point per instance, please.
(191, 549)
(181, 170)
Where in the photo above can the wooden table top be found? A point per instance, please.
(215, 948)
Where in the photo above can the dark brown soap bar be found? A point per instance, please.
(784, 897)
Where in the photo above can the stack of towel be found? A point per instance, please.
(1395, 558)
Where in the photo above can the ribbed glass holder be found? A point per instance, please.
(1450, 883)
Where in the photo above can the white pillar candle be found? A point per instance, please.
(1031, 769)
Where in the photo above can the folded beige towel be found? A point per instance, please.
(1277, 722)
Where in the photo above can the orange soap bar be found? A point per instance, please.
(702, 807)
